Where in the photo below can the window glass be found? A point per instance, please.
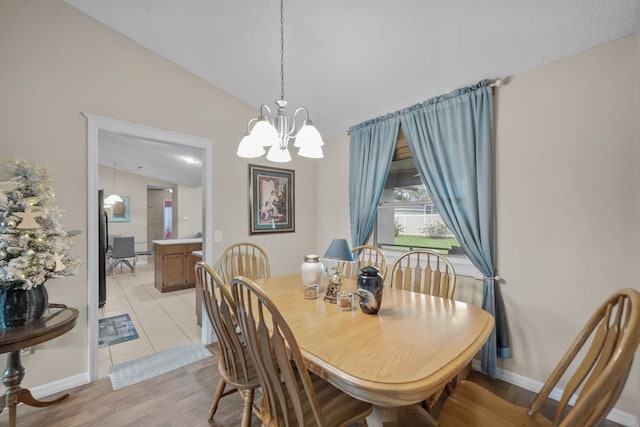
(407, 218)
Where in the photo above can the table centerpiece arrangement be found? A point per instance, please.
(34, 246)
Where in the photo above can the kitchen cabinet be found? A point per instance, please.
(175, 263)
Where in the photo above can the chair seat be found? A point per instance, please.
(238, 379)
(472, 405)
(338, 408)
(243, 384)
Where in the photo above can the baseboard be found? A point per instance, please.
(64, 384)
(616, 415)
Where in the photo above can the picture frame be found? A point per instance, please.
(119, 211)
(271, 200)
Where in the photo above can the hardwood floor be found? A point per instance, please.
(178, 398)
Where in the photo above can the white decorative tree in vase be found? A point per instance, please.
(34, 246)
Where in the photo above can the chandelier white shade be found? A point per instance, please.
(275, 132)
(309, 135)
(112, 199)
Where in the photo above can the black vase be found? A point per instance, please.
(370, 286)
(20, 307)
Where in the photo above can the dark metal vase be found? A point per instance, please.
(20, 307)
(370, 286)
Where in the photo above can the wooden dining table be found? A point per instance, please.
(394, 359)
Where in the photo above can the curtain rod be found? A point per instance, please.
(499, 82)
(491, 83)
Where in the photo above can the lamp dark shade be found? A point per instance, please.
(339, 250)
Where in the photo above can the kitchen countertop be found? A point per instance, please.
(177, 241)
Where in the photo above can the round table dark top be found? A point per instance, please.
(57, 320)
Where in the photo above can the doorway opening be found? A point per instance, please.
(96, 125)
(168, 219)
(160, 214)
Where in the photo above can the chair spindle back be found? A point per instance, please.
(424, 271)
(612, 335)
(245, 259)
(366, 255)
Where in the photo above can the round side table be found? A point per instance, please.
(57, 320)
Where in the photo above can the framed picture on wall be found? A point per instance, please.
(119, 211)
(271, 204)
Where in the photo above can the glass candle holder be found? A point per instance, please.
(311, 291)
(345, 301)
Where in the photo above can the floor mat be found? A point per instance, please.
(138, 370)
(116, 329)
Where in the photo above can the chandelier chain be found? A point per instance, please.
(281, 49)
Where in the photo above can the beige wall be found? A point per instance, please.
(568, 210)
(567, 199)
(134, 186)
(189, 212)
(333, 193)
(57, 63)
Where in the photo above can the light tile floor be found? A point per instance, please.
(163, 321)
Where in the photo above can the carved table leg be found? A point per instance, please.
(11, 378)
(14, 394)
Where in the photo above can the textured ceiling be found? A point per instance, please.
(348, 61)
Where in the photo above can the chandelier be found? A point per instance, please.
(275, 132)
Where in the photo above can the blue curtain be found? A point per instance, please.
(370, 153)
(451, 139)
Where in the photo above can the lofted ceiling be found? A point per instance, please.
(348, 61)
(170, 163)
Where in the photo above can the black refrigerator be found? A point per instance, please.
(103, 246)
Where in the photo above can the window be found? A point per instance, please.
(407, 218)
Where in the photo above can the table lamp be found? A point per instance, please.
(340, 251)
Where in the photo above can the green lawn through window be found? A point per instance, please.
(444, 243)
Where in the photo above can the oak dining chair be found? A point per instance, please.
(245, 259)
(424, 271)
(601, 354)
(365, 255)
(235, 366)
(430, 273)
(291, 395)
